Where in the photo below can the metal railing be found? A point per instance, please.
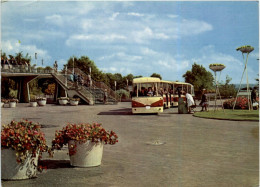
(95, 84)
(24, 69)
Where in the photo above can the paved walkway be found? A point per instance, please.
(169, 149)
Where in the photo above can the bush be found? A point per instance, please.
(241, 103)
(13, 93)
(122, 94)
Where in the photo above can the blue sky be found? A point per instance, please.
(136, 37)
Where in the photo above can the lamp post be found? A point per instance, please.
(73, 65)
(127, 84)
(66, 83)
(35, 58)
(115, 85)
(245, 49)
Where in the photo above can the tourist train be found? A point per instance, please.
(152, 95)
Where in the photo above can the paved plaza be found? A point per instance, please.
(168, 149)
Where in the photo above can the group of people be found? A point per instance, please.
(143, 92)
(80, 80)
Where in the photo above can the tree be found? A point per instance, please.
(227, 90)
(84, 63)
(156, 75)
(20, 59)
(199, 77)
(128, 78)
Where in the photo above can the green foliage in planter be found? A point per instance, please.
(63, 98)
(211, 65)
(23, 136)
(244, 46)
(41, 99)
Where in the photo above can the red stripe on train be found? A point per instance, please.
(155, 104)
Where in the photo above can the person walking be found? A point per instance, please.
(204, 101)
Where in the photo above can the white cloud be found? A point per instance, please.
(172, 16)
(13, 47)
(81, 38)
(135, 14)
(55, 19)
(110, 27)
(113, 17)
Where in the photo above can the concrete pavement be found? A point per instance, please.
(169, 149)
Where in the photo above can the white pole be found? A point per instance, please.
(66, 83)
(73, 65)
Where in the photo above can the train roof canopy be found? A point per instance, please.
(146, 80)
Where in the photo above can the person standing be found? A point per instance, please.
(204, 101)
(190, 101)
(105, 96)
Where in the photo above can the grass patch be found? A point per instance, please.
(240, 115)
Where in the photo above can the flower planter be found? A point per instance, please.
(12, 170)
(12, 104)
(217, 68)
(63, 101)
(245, 49)
(33, 103)
(74, 103)
(88, 154)
(41, 102)
(2, 104)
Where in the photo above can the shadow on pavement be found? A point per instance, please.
(55, 164)
(123, 111)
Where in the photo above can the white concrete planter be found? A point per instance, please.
(87, 154)
(12, 104)
(41, 102)
(33, 103)
(2, 104)
(63, 101)
(74, 103)
(12, 170)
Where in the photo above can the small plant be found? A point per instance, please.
(48, 68)
(211, 65)
(4, 100)
(41, 99)
(63, 98)
(13, 100)
(33, 99)
(82, 133)
(23, 136)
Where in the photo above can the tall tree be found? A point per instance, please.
(156, 75)
(199, 77)
(84, 64)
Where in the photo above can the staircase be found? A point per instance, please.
(92, 94)
(73, 90)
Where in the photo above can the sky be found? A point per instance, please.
(137, 37)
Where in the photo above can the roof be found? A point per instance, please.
(182, 83)
(146, 80)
